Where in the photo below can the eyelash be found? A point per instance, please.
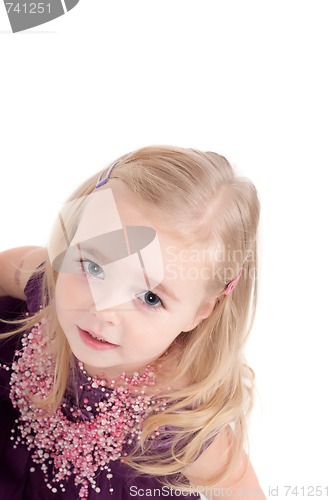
(150, 307)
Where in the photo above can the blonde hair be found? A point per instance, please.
(212, 208)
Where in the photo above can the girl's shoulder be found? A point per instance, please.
(17, 265)
(241, 478)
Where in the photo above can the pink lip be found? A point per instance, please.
(94, 343)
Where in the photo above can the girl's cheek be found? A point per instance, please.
(66, 292)
(69, 285)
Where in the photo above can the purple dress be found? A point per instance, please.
(23, 479)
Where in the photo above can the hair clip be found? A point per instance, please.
(233, 283)
(101, 181)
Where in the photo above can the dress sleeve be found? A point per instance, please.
(12, 308)
(33, 292)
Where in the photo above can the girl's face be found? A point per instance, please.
(116, 320)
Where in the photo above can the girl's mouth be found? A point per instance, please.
(95, 342)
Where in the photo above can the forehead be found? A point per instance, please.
(101, 227)
(112, 207)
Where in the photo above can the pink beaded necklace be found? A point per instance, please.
(96, 424)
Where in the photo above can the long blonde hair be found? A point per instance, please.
(219, 212)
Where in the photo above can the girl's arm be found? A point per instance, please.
(16, 267)
(242, 483)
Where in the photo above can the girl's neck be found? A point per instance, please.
(114, 372)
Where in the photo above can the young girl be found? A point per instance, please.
(122, 370)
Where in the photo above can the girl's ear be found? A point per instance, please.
(203, 312)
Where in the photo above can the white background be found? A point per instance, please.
(250, 80)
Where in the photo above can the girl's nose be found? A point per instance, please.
(110, 315)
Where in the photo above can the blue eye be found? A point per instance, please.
(92, 269)
(150, 300)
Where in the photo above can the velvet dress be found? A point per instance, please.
(20, 477)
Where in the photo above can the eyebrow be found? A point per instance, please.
(167, 291)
